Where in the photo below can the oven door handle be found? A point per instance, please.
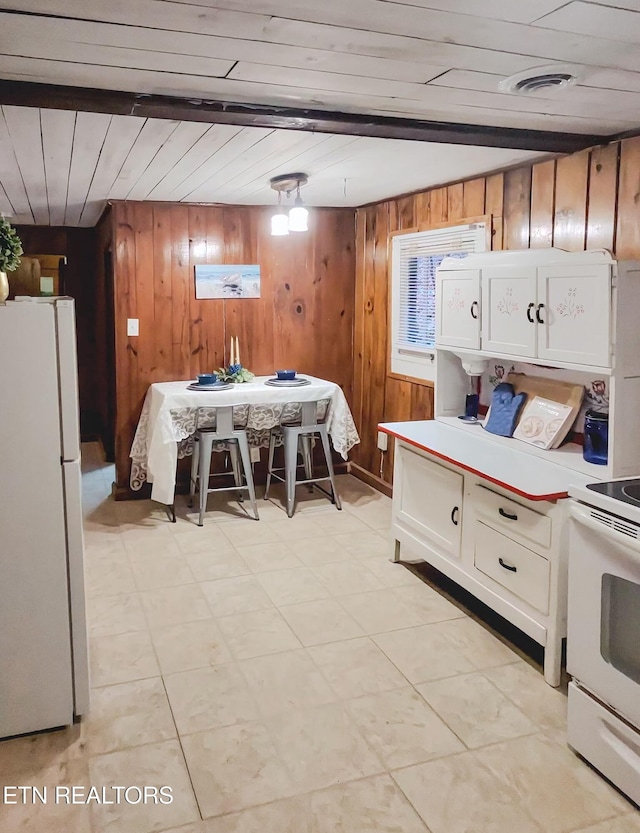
(583, 515)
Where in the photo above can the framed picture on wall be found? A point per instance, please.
(227, 281)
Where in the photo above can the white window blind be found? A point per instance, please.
(414, 260)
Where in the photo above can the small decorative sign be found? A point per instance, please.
(227, 281)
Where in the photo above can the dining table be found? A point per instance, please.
(169, 419)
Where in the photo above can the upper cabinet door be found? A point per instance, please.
(574, 314)
(458, 308)
(508, 310)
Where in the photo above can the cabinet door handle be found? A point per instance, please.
(474, 312)
(506, 514)
(506, 566)
(454, 515)
(538, 319)
(529, 308)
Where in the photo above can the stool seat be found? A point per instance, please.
(301, 432)
(221, 428)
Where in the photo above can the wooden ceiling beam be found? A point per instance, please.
(116, 102)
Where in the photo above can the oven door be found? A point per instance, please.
(603, 642)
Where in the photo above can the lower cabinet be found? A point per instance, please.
(504, 549)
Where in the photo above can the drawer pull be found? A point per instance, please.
(529, 308)
(474, 309)
(506, 514)
(506, 566)
(454, 515)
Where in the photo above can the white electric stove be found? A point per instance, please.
(603, 642)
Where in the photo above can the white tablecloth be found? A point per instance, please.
(168, 418)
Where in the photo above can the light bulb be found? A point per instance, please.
(279, 224)
(298, 217)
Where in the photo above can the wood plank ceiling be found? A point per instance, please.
(433, 60)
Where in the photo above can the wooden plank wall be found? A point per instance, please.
(304, 318)
(589, 200)
(78, 245)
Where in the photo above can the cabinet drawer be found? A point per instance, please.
(513, 566)
(519, 521)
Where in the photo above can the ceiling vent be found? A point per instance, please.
(540, 80)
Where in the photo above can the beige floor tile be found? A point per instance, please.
(242, 594)
(156, 764)
(389, 573)
(121, 659)
(476, 711)
(198, 827)
(234, 768)
(262, 558)
(346, 523)
(423, 653)
(316, 551)
(381, 610)
(402, 729)
(195, 539)
(321, 621)
(247, 532)
(161, 568)
(299, 527)
(322, 746)
(286, 681)
(210, 565)
(208, 698)
(30, 815)
(525, 686)
(456, 795)
(257, 634)
(129, 714)
(174, 605)
(363, 543)
(342, 578)
(376, 514)
(372, 804)
(289, 815)
(356, 667)
(431, 605)
(476, 644)
(622, 824)
(552, 783)
(109, 575)
(111, 615)
(189, 645)
(292, 586)
(24, 758)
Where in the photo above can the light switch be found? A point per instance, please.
(133, 327)
(255, 454)
(382, 441)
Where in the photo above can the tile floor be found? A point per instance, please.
(285, 677)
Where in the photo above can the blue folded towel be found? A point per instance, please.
(505, 407)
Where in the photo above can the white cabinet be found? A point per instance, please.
(506, 550)
(555, 307)
(428, 499)
(573, 309)
(508, 310)
(458, 309)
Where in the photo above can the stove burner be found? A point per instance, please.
(626, 491)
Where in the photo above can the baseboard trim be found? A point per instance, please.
(372, 480)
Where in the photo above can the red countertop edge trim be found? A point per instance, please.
(556, 496)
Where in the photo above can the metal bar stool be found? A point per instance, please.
(221, 428)
(299, 425)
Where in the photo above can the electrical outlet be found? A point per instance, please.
(382, 440)
(254, 451)
(133, 327)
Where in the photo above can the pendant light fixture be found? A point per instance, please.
(279, 221)
(298, 214)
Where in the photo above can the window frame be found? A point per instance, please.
(422, 361)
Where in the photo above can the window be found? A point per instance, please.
(414, 260)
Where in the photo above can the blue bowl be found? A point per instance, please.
(286, 375)
(207, 378)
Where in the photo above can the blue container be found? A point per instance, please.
(596, 438)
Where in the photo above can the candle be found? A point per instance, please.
(237, 352)
(231, 360)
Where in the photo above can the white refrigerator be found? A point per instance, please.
(44, 678)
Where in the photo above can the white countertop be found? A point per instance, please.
(476, 451)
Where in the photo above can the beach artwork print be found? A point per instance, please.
(227, 281)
